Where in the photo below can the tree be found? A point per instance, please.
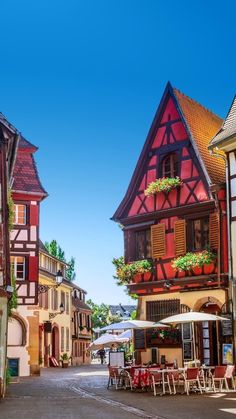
(55, 250)
(100, 314)
(70, 272)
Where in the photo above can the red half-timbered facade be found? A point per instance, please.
(191, 217)
(27, 195)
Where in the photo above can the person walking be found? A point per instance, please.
(102, 354)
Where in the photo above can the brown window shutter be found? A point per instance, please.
(158, 239)
(180, 237)
(214, 233)
(129, 246)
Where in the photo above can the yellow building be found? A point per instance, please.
(54, 309)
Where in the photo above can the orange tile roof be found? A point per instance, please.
(203, 125)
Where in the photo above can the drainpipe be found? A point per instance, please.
(227, 211)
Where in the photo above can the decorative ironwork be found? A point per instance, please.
(44, 288)
(52, 315)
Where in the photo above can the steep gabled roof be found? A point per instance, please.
(228, 128)
(202, 125)
(26, 178)
(77, 303)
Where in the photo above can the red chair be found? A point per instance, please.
(114, 377)
(219, 376)
(229, 375)
(175, 378)
(191, 376)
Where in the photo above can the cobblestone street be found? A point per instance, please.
(81, 393)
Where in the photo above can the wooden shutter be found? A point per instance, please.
(158, 239)
(180, 237)
(33, 268)
(214, 232)
(34, 215)
(129, 246)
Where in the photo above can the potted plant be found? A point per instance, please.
(65, 360)
(192, 260)
(125, 272)
(165, 184)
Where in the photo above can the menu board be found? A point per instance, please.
(187, 350)
(117, 359)
(227, 329)
(139, 339)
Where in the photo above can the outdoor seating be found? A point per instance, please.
(175, 379)
(114, 377)
(191, 377)
(229, 375)
(219, 376)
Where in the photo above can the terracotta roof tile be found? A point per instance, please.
(203, 125)
(26, 145)
(228, 128)
(26, 175)
(80, 304)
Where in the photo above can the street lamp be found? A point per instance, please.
(45, 288)
(61, 308)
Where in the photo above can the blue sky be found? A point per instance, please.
(82, 80)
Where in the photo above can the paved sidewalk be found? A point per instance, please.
(81, 393)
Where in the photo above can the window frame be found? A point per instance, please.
(15, 263)
(16, 214)
(191, 233)
(174, 161)
(146, 254)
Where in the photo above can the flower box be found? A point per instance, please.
(127, 272)
(165, 184)
(193, 260)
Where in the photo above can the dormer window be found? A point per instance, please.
(170, 166)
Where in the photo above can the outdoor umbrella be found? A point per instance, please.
(133, 324)
(192, 317)
(105, 341)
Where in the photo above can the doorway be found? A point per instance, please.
(208, 334)
(55, 342)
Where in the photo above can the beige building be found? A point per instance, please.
(54, 309)
(81, 327)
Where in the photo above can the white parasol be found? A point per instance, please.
(106, 341)
(192, 317)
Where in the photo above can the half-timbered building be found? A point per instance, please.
(9, 139)
(27, 192)
(225, 141)
(81, 327)
(170, 223)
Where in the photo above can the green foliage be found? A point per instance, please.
(193, 260)
(10, 206)
(8, 376)
(55, 250)
(126, 271)
(134, 315)
(100, 314)
(65, 357)
(70, 272)
(165, 184)
(12, 302)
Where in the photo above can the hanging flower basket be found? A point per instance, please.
(125, 272)
(193, 260)
(165, 184)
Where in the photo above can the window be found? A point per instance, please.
(199, 234)
(20, 214)
(67, 303)
(67, 339)
(158, 310)
(62, 339)
(18, 267)
(54, 299)
(63, 298)
(143, 244)
(170, 166)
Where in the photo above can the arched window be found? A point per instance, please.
(170, 166)
(16, 332)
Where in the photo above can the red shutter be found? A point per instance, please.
(34, 215)
(33, 268)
